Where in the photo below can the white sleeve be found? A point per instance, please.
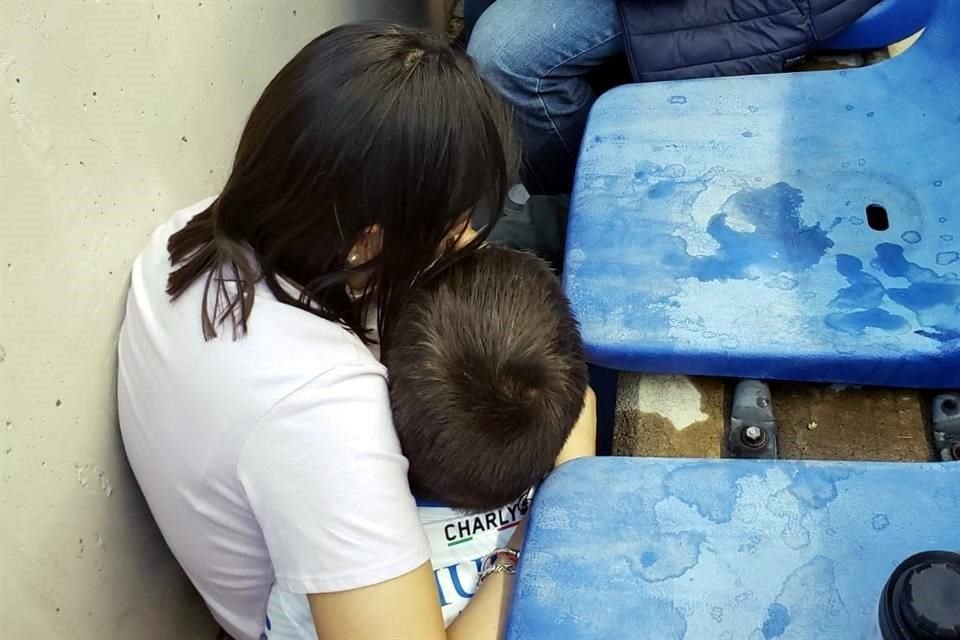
(327, 482)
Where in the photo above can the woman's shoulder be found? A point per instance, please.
(279, 335)
(320, 344)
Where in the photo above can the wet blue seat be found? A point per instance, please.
(673, 549)
(798, 226)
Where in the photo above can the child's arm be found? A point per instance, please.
(582, 441)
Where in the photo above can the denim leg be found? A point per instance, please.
(536, 53)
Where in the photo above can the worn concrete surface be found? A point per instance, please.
(837, 423)
(673, 416)
(679, 416)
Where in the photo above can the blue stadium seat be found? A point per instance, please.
(798, 226)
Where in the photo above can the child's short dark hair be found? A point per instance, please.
(487, 378)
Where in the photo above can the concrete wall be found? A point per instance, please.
(112, 115)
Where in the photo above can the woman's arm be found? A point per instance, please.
(407, 607)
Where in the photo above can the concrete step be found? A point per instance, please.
(851, 423)
(680, 416)
(674, 416)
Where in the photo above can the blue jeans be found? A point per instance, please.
(537, 53)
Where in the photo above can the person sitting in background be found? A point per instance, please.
(487, 386)
(543, 56)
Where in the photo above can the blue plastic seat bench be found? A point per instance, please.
(725, 549)
(793, 226)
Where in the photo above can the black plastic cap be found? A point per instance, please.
(921, 600)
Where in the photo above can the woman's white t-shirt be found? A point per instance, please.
(459, 543)
(267, 458)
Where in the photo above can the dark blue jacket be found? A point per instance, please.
(674, 39)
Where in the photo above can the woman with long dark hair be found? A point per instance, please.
(253, 407)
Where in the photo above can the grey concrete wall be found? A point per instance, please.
(112, 115)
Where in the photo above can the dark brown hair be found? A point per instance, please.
(487, 378)
(370, 124)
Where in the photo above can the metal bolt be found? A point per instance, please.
(753, 437)
(763, 402)
(950, 407)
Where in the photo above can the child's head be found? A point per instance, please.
(487, 378)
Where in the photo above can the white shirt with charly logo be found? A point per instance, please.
(459, 542)
(458, 545)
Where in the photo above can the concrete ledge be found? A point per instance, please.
(680, 416)
(674, 416)
(851, 423)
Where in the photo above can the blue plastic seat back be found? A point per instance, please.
(797, 226)
(888, 22)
